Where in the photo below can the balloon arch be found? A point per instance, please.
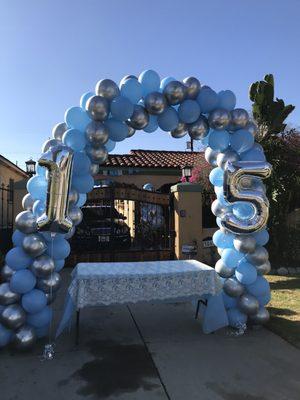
(65, 175)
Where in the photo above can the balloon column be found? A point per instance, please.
(65, 175)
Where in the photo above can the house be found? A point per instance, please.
(160, 168)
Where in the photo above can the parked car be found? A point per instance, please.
(102, 227)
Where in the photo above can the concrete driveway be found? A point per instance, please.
(153, 352)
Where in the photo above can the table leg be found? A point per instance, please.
(77, 327)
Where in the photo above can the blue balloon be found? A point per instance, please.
(41, 171)
(81, 164)
(59, 249)
(207, 99)
(110, 145)
(81, 200)
(189, 111)
(34, 301)
(243, 210)
(42, 331)
(261, 237)
(259, 288)
(49, 237)
(241, 140)
(132, 89)
(40, 318)
(227, 100)
(150, 81)
(222, 239)
(77, 118)
(17, 259)
(152, 125)
(256, 153)
(165, 81)
(231, 257)
(74, 139)
(84, 98)
(37, 187)
(245, 273)
(83, 183)
(168, 120)
(17, 238)
(264, 299)
(121, 108)
(218, 221)
(229, 302)
(39, 207)
(236, 318)
(216, 176)
(22, 281)
(218, 139)
(118, 130)
(5, 335)
(59, 264)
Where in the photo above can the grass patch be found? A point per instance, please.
(285, 307)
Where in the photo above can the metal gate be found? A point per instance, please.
(6, 216)
(124, 223)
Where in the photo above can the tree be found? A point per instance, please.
(282, 149)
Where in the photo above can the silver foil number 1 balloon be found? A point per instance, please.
(235, 189)
(58, 160)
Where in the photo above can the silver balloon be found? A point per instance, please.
(180, 131)
(108, 89)
(248, 304)
(13, 316)
(58, 161)
(223, 270)
(7, 296)
(96, 133)
(73, 196)
(131, 131)
(219, 119)
(97, 108)
(211, 156)
(75, 214)
(98, 155)
(49, 144)
(239, 118)
(27, 202)
(50, 297)
(228, 155)
(252, 127)
(52, 283)
(244, 244)
(6, 273)
(70, 233)
(263, 269)
(193, 87)
(175, 92)
(94, 169)
(219, 209)
(155, 103)
(235, 173)
(139, 118)
(220, 251)
(24, 337)
(233, 288)
(42, 266)
(259, 256)
(34, 244)
(59, 130)
(149, 187)
(198, 129)
(261, 317)
(26, 222)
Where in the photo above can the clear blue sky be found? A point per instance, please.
(53, 51)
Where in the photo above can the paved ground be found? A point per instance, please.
(153, 352)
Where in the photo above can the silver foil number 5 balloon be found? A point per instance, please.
(237, 187)
(58, 160)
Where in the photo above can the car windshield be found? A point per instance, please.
(100, 213)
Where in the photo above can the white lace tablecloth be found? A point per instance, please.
(96, 284)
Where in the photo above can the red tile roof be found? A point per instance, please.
(156, 159)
